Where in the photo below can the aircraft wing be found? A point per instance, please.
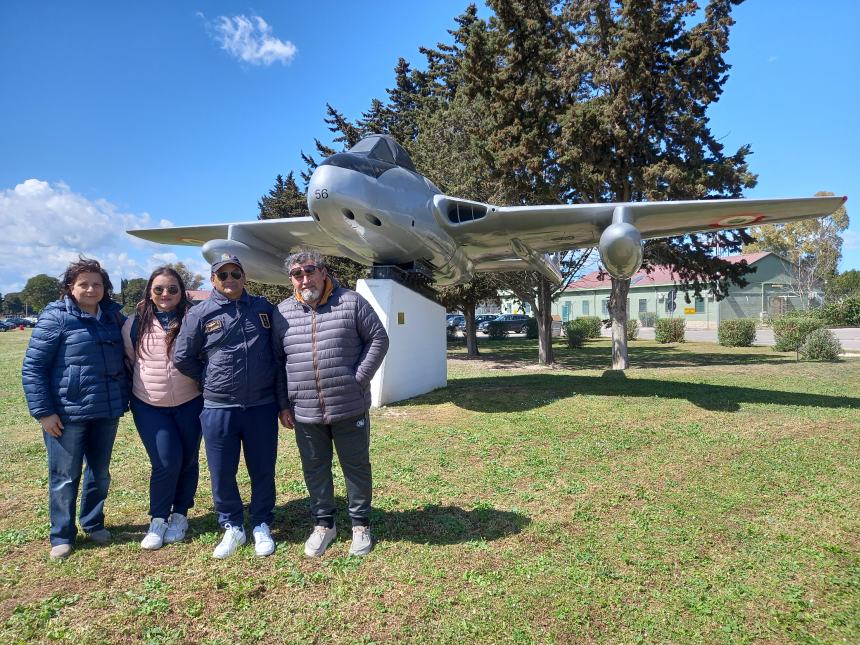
(284, 234)
(262, 245)
(486, 232)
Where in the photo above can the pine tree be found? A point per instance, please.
(284, 200)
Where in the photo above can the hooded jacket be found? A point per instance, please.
(74, 363)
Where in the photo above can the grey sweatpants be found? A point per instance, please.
(351, 439)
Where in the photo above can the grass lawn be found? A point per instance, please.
(707, 494)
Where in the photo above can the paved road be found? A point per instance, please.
(849, 337)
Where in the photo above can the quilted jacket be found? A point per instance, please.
(330, 355)
(74, 363)
(155, 379)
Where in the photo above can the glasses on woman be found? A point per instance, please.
(172, 290)
(235, 274)
(306, 270)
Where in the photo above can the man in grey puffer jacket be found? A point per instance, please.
(331, 342)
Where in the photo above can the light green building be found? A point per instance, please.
(768, 293)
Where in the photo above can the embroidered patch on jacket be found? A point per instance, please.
(213, 325)
(264, 320)
(359, 423)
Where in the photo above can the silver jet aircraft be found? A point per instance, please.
(371, 205)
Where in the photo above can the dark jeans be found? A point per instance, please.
(351, 439)
(87, 446)
(253, 430)
(171, 436)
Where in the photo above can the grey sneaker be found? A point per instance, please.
(154, 538)
(319, 540)
(101, 536)
(361, 541)
(234, 537)
(177, 525)
(263, 543)
(61, 551)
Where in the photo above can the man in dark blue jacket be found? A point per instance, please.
(225, 343)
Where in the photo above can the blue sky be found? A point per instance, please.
(116, 115)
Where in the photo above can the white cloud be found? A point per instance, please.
(250, 40)
(44, 227)
(850, 240)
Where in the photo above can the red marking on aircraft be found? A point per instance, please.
(741, 219)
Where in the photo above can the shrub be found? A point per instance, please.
(496, 330)
(632, 330)
(820, 345)
(789, 332)
(592, 324)
(577, 331)
(532, 328)
(737, 333)
(843, 314)
(669, 330)
(648, 318)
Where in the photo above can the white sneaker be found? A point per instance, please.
(319, 540)
(361, 542)
(234, 537)
(154, 538)
(177, 525)
(263, 543)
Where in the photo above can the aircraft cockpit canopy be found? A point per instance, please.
(372, 156)
(384, 148)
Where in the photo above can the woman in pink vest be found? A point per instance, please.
(166, 406)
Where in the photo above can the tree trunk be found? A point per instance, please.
(544, 321)
(471, 331)
(618, 313)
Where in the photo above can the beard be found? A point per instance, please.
(310, 294)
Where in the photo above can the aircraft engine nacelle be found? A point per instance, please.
(621, 249)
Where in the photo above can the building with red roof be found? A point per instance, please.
(657, 294)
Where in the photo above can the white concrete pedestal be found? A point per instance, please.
(416, 362)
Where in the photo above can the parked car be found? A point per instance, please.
(6, 326)
(511, 323)
(479, 318)
(17, 322)
(454, 322)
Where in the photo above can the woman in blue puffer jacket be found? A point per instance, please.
(76, 386)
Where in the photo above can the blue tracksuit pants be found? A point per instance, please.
(254, 431)
(171, 436)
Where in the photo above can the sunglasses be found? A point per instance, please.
(236, 275)
(172, 290)
(307, 270)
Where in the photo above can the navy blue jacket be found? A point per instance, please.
(227, 345)
(74, 365)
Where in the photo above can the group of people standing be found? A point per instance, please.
(225, 370)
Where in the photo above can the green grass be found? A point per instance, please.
(707, 494)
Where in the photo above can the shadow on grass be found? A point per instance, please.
(597, 354)
(518, 392)
(430, 524)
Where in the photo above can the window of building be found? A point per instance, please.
(700, 305)
(585, 310)
(604, 306)
(643, 305)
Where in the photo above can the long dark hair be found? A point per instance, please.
(146, 309)
(85, 265)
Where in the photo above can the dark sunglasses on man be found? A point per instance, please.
(235, 274)
(172, 290)
(306, 270)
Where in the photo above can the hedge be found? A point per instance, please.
(669, 330)
(737, 333)
(789, 332)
